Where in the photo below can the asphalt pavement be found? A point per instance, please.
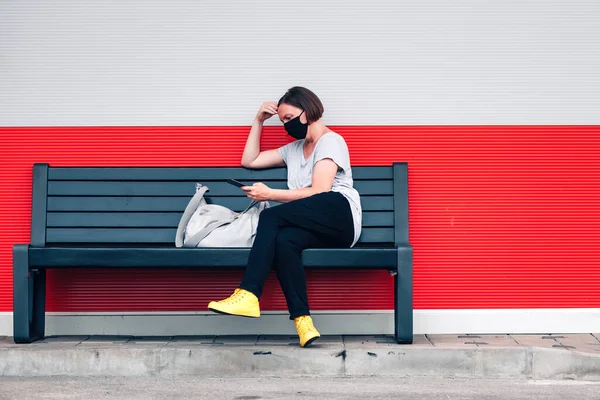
(198, 387)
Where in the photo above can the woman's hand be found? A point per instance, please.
(258, 192)
(266, 111)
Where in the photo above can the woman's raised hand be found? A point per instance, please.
(266, 111)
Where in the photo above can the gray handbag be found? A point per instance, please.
(212, 225)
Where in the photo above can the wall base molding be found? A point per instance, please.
(485, 321)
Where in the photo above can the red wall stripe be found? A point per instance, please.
(501, 216)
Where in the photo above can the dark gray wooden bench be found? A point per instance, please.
(126, 217)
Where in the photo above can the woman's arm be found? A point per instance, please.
(322, 181)
(254, 158)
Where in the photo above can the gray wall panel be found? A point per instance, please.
(183, 62)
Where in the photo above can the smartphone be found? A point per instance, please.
(236, 183)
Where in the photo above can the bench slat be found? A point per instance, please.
(192, 174)
(111, 204)
(162, 219)
(202, 258)
(164, 235)
(103, 188)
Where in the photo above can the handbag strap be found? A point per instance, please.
(187, 214)
(252, 204)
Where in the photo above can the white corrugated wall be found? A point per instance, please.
(186, 62)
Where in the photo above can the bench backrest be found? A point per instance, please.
(133, 205)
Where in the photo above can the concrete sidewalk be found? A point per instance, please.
(472, 356)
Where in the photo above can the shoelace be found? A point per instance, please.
(304, 326)
(235, 297)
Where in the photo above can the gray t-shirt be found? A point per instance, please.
(300, 170)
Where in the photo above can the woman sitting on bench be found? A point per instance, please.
(322, 208)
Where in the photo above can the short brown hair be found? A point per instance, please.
(304, 99)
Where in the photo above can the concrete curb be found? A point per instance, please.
(332, 361)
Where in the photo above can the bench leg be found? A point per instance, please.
(403, 297)
(29, 298)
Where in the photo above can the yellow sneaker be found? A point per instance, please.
(306, 330)
(242, 303)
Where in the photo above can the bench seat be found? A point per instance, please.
(114, 257)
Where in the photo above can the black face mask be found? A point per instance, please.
(295, 128)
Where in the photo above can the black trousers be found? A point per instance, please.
(322, 220)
